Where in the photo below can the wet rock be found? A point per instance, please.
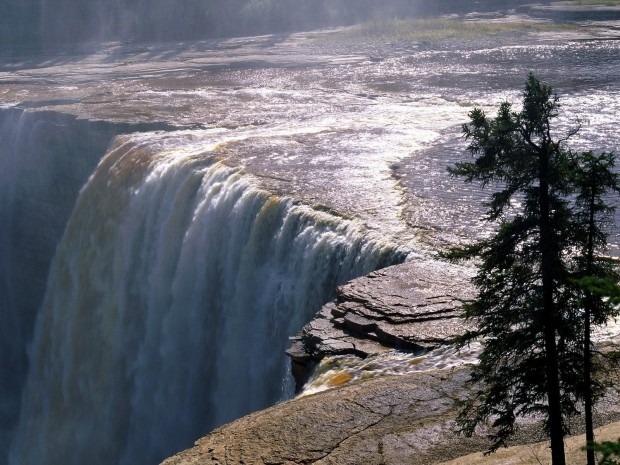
(415, 306)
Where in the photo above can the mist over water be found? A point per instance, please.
(45, 24)
(50, 22)
(45, 159)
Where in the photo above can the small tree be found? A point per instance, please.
(609, 450)
(527, 313)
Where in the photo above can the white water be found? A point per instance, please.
(336, 371)
(169, 305)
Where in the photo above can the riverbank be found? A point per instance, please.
(386, 421)
(539, 453)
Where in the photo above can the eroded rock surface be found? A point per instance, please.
(386, 420)
(391, 420)
(415, 306)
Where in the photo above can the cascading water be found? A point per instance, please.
(169, 305)
(45, 158)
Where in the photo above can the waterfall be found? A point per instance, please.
(45, 158)
(169, 304)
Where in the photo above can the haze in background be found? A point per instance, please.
(39, 25)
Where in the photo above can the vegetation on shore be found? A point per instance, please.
(596, 2)
(535, 308)
(432, 29)
(538, 453)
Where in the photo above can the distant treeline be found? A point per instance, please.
(42, 23)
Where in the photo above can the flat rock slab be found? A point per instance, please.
(386, 420)
(392, 420)
(415, 306)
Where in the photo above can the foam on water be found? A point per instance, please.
(334, 371)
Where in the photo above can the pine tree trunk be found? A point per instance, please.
(547, 248)
(587, 355)
(556, 430)
(587, 379)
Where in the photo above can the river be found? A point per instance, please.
(171, 213)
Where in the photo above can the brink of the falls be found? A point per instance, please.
(169, 305)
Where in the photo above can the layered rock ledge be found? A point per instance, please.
(413, 307)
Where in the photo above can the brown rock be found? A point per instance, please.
(387, 420)
(415, 306)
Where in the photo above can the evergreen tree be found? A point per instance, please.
(528, 320)
(594, 180)
(609, 450)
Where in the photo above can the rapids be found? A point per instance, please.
(334, 371)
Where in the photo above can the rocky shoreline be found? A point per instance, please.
(385, 420)
(415, 306)
(390, 420)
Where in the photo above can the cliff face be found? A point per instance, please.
(392, 420)
(397, 419)
(415, 307)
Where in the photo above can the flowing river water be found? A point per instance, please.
(185, 208)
